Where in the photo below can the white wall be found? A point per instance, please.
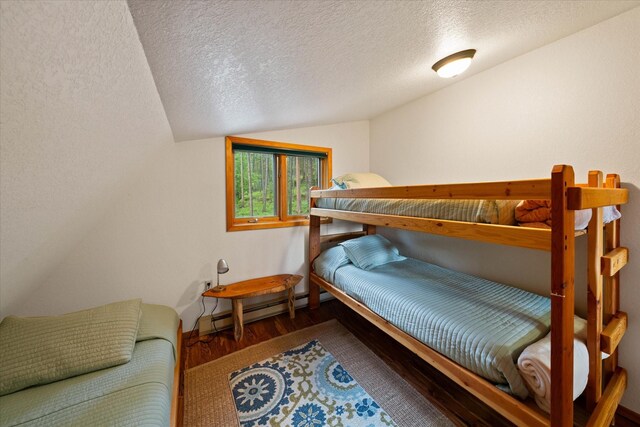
(575, 101)
(80, 113)
(162, 238)
(98, 203)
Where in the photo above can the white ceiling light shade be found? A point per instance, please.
(454, 64)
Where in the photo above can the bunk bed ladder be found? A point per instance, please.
(613, 261)
(607, 324)
(594, 298)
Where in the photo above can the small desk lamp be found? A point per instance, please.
(223, 267)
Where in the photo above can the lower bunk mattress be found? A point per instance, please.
(480, 324)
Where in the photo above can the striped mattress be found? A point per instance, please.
(482, 211)
(481, 325)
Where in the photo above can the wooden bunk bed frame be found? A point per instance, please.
(606, 324)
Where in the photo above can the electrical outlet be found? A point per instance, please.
(207, 285)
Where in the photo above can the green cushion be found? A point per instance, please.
(158, 321)
(40, 350)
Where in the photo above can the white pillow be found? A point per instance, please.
(361, 180)
(609, 214)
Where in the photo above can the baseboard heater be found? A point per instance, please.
(220, 321)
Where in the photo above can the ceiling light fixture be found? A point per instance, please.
(454, 64)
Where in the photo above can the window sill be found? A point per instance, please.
(243, 226)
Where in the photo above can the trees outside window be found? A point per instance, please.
(268, 182)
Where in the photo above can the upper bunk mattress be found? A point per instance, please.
(483, 211)
(480, 324)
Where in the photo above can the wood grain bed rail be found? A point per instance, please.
(502, 190)
(341, 237)
(588, 197)
(533, 238)
(606, 408)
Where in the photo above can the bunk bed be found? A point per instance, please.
(606, 324)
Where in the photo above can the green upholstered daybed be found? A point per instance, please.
(111, 365)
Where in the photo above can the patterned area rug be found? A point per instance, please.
(303, 387)
(208, 401)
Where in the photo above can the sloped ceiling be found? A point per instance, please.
(80, 116)
(229, 67)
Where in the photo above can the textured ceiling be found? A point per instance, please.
(230, 67)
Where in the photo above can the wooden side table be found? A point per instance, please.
(252, 288)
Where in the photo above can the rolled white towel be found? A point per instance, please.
(535, 365)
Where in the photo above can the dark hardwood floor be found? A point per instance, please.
(458, 404)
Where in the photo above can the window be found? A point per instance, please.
(268, 182)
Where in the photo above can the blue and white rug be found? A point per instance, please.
(303, 387)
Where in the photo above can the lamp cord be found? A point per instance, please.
(213, 324)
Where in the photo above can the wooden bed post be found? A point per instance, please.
(594, 299)
(562, 297)
(314, 251)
